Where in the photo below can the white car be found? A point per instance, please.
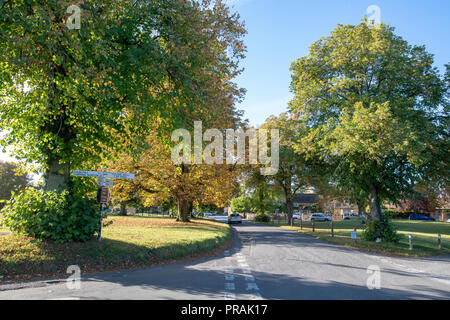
(234, 218)
(319, 217)
(350, 215)
(297, 216)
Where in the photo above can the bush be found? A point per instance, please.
(262, 217)
(52, 216)
(398, 214)
(388, 232)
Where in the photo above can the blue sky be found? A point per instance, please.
(280, 31)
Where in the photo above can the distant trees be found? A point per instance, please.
(11, 181)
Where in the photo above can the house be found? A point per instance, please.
(308, 202)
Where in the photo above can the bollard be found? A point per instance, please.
(440, 241)
(301, 223)
(410, 242)
(332, 229)
(313, 226)
(355, 236)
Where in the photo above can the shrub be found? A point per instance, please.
(388, 232)
(398, 214)
(52, 216)
(262, 217)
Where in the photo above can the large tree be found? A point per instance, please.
(370, 102)
(159, 179)
(71, 97)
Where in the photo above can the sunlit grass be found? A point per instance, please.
(128, 243)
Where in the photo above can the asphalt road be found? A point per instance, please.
(264, 263)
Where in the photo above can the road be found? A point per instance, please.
(264, 263)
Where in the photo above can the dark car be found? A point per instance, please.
(421, 217)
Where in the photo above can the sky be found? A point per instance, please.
(281, 31)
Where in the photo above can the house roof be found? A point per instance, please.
(306, 198)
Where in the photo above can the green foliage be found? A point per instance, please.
(372, 108)
(78, 96)
(262, 217)
(398, 214)
(241, 204)
(383, 229)
(10, 181)
(50, 215)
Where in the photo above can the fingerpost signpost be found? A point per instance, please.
(104, 184)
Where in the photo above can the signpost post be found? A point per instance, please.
(104, 185)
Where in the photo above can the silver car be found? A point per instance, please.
(234, 218)
(319, 217)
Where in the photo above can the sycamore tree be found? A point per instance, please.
(159, 179)
(69, 96)
(372, 104)
(72, 97)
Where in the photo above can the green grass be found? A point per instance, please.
(130, 242)
(424, 235)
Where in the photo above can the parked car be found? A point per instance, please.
(350, 215)
(448, 220)
(297, 216)
(234, 218)
(421, 217)
(319, 217)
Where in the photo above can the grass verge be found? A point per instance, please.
(130, 242)
(424, 235)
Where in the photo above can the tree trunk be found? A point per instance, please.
(375, 204)
(123, 209)
(289, 207)
(190, 208)
(57, 177)
(183, 210)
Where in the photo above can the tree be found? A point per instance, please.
(69, 98)
(296, 171)
(158, 179)
(11, 181)
(369, 101)
(241, 204)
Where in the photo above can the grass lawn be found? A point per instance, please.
(130, 242)
(424, 235)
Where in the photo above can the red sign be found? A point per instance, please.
(104, 195)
